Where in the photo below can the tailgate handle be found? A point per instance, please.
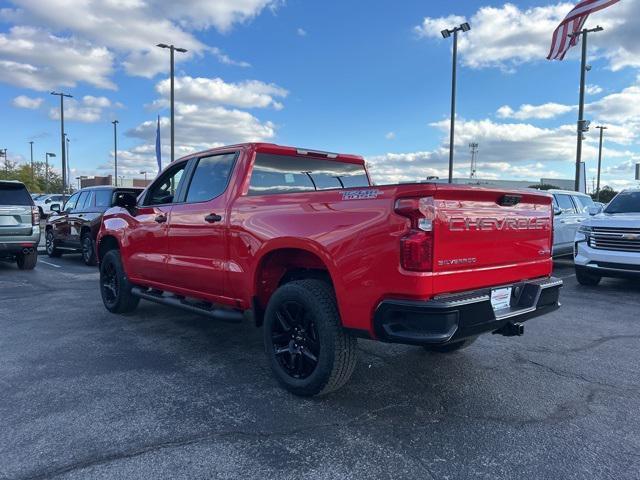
(509, 200)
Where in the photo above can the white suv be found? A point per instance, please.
(608, 243)
(570, 209)
(45, 202)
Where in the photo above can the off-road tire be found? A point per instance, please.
(586, 278)
(27, 261)
(450, 347)
(88, 250)
(117, 296)
(50, 244)
(337, 355)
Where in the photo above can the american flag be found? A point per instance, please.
(573, 23)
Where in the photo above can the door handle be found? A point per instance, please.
(161, 218)
(213, 218)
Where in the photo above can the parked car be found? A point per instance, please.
(45, 202)
(75, 227)
(302, 243)
(19, 225)
(570, 210)
(608, 243)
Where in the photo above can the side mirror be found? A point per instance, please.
(55, 207)
(48, 200)
(556, 211)
(125, 200)
(594, 210)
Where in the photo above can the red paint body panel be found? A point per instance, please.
(478, 243)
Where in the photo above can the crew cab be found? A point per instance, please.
(75, 227)
(608, 243)
(302, 243)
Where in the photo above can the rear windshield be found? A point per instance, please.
(625, 202)
(14, 195)
(288, 174)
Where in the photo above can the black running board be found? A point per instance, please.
(202, 308)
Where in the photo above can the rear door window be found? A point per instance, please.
(288, 174)
(14, 195)
(583, 202)
(565, 203)
(210, 177)
(103, 198)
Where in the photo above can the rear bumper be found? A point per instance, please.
(452, 318)
(11, 245)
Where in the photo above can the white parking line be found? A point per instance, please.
(50, 264)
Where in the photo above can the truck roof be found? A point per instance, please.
(284, 150)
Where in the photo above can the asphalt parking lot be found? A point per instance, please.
(165, 394)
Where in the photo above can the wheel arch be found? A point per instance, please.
(284, 264)
(107, 243)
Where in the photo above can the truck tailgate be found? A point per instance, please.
(488, 237)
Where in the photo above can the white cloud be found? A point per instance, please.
(35, 59)
(301, 32)
(77, 40)
(22, 101)
(89, 109)
(507, 36)
(247, 94)
(593, 89)
(390, 135)
(526, 111)
(507, 151)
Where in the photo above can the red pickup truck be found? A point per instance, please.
(302, 243)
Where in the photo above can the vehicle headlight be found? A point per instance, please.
(585, 230)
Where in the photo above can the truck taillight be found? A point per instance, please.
(35, 216)
(416, 247)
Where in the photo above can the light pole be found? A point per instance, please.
(31, 148)
(46, 171)
(465, 27)
(63, 153)
(172, 48)
(68, 161)
(602, 129)
(115, 148)
(583, 125)
(144, 172)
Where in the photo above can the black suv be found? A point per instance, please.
(19, 225)
(75, 227)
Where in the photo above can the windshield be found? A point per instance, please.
(625, 202)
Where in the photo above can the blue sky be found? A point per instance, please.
(320, 74)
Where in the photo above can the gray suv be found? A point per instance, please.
(19, 225)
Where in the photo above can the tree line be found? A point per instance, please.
(36, 179)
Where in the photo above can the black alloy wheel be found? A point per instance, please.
(295, 340)
(115, 288)
(88, 250)
(50, 245)
(110, 284)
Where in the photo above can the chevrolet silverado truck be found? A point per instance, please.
(303, 244)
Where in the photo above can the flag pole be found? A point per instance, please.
(582, 125)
